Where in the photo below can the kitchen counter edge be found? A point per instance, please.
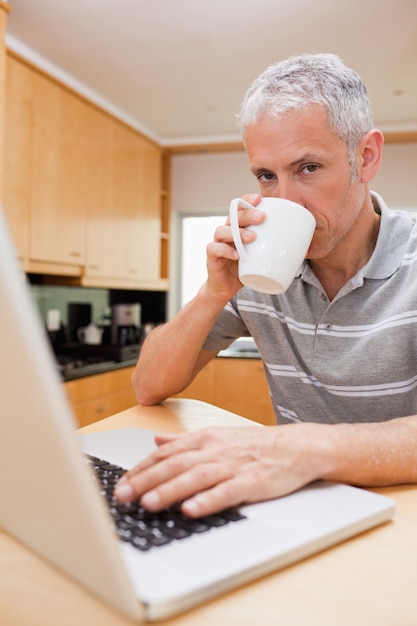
(97, 368)
(110, 366)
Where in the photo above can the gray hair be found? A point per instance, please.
(306, 79)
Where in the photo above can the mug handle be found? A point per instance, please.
(234, 223)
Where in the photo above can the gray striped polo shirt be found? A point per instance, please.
(353, 359)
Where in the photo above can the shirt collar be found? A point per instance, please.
(393, 237)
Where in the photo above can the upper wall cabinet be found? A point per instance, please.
(82, 190)
(123, 218)
(4, 10)
(57, 210)
(17, 153)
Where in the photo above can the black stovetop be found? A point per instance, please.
(76, 360)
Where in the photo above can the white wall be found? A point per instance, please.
(396, 180)
(205, 183)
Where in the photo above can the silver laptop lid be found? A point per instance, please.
(48, 500)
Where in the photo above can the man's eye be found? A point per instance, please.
(265, 176)
(310, 168)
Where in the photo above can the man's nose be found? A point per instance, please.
(288, 191)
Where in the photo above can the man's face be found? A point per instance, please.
(299, 158)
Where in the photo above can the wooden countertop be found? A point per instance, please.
(370, 579)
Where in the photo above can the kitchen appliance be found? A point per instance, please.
(126, 324)
(79, 316)
(77, 355)
(121, 343)
(90, 335)
(71, 366)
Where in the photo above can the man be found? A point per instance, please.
(339, 347)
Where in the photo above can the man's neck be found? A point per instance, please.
(351, 255)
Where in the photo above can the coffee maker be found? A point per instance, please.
(126, 324)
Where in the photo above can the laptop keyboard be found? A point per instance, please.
(145, 530)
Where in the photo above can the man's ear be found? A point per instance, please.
(369, 154)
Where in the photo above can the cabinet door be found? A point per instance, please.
(95, 397)
(240, 386)
(97, 409)
(123, 219)
(17, 152)
(57, 210)
(105, 219)
(201, 387)
(237, 385)
(143, 243)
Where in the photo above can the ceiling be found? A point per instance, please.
(177, 69)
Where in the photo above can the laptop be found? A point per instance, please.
(52, 502)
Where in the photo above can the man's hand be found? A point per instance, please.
(223, 280)
(215, 468)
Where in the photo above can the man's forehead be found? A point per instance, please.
(291, 139)
(312, 119)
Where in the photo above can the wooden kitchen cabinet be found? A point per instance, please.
(83, 192)
(123, 218)
(57, 210)
(240, 386)
(4, 10)
(17, 153)
(43, 162)
(237, 385)
(165, 213)
(202, 386)
(96, 397)
(105, 220)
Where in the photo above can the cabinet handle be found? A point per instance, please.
(74, 253)
(94, 267)
(102, 409)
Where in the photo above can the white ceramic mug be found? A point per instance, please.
(270, 262)
(90, 335)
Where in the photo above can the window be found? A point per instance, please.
(196, 233)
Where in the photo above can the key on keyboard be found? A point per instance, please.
(145, 530)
